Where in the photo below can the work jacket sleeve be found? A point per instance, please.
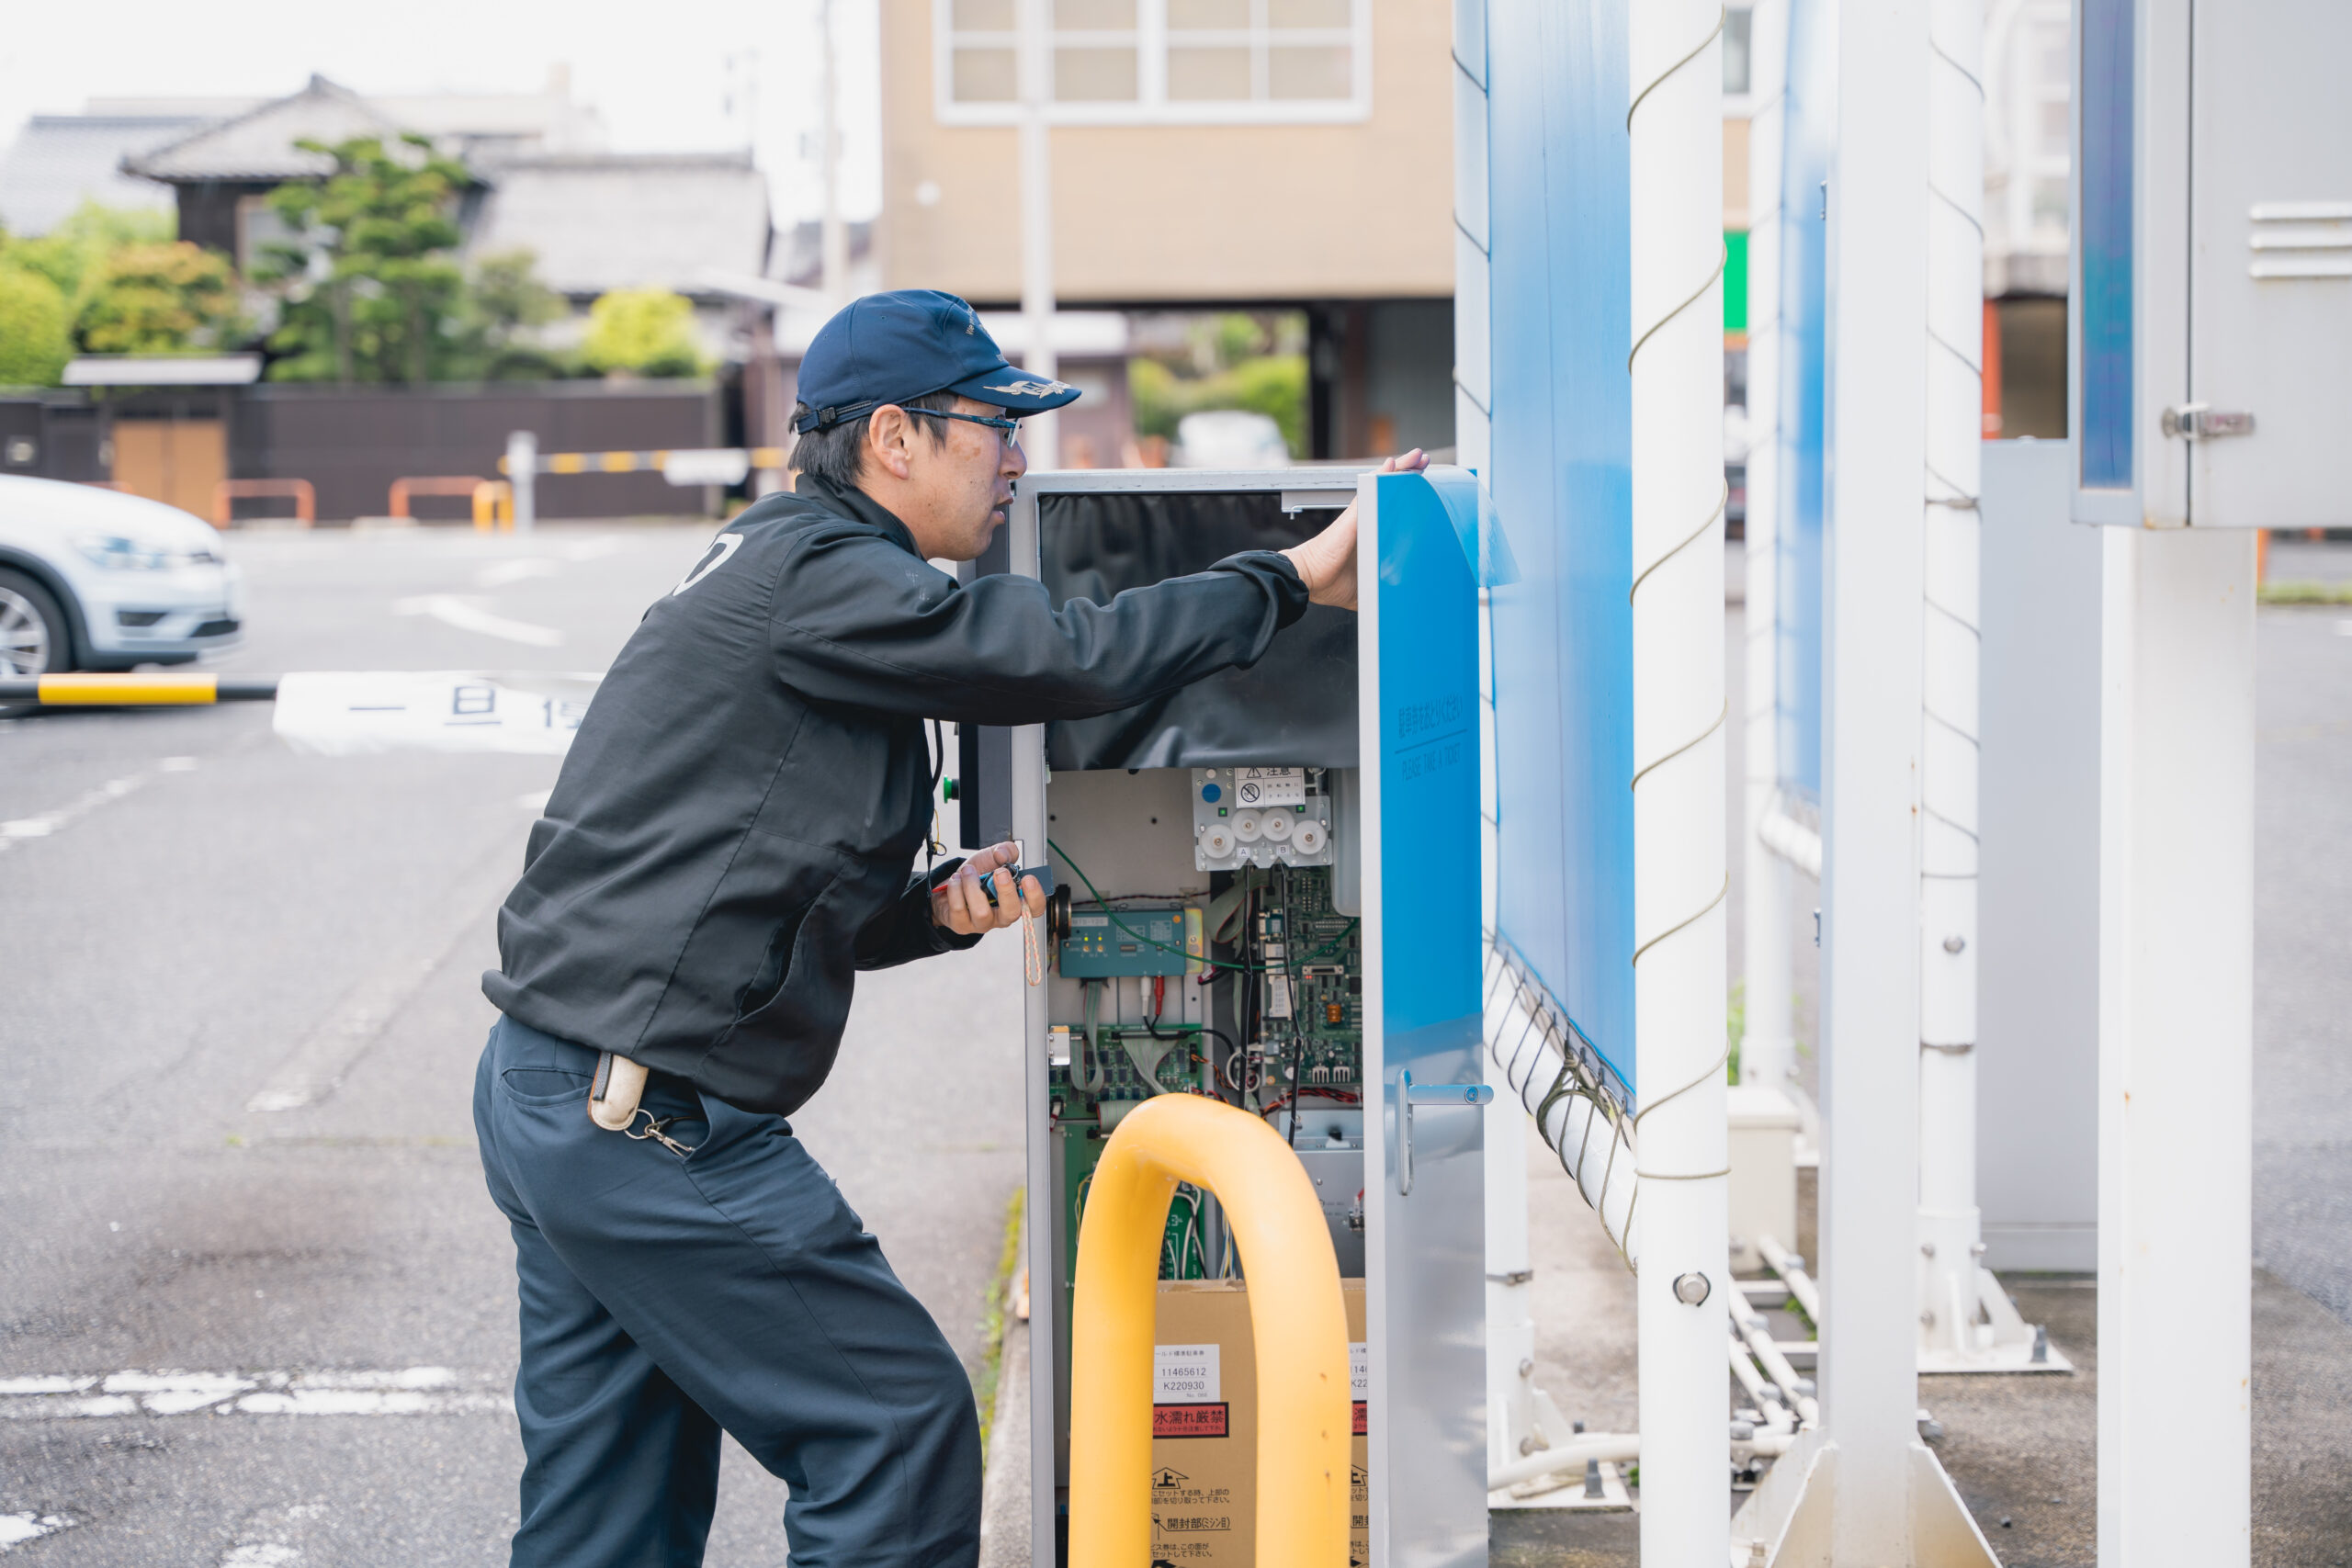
(857, 620)
(905, 931)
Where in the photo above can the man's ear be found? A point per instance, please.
(888, 439)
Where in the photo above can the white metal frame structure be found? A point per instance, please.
(2201, 380)
(2175, 1045)
(1870, 966)
(1675, 122)
(1043, 439)
(1767, 1051)
(1881, 1496)
(1966, 1320)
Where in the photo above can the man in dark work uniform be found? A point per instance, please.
(733, 836)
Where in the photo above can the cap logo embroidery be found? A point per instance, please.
(1032, 389)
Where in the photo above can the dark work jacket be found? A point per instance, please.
(734, 832)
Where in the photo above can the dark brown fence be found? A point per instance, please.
(353, 443)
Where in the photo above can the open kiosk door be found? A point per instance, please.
(1425, 1261)
(1270, 897)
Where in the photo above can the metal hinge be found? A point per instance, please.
(2200, 421)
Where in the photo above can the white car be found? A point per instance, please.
(1229, 438)
(92, 579)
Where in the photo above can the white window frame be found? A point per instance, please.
(1151, 104)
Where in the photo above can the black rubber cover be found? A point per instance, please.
(1295, 707)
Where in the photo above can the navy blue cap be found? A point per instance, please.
(907, 343)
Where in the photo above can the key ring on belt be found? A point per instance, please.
(612, 1103)
(655, 1128)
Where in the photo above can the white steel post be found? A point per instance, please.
(833, 233)
(1877, 405)
(1511, 1317)
(523, 473)
(1675, 55)
(1041, 438)
(1949, 1224)
(1768, 1052)
(2176, 1120)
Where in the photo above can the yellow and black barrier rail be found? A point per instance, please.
(134, 690)
(655, 462)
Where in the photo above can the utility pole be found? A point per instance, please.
(1042, 437)
(835, 234)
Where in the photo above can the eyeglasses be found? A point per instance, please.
(1008, 430)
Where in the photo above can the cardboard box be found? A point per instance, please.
(1204, 1427)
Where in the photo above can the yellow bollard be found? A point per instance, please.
(1297, 1321)
(493, 506)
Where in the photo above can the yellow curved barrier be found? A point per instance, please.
(1297, 1321)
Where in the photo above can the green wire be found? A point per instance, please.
(1169, 947)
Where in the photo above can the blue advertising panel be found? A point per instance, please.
(1810, 141)
(1561, 304)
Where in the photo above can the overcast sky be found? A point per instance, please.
(659, 73)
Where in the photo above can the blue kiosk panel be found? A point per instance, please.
(1417, 668)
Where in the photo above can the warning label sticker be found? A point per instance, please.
(1191, 1421)
(1270, 787)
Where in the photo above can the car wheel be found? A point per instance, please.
(34, 637)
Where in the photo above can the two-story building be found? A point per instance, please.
(1206, 154)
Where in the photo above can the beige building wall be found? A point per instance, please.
(1183, 213)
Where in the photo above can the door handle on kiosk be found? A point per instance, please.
(1436, 1095)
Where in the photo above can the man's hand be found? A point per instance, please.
(1327, 563)
(961, 905)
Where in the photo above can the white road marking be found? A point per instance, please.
(404, 1390)
(596, 549)
(520, 569)
(18, 1528)
(468, 614)
(15, 831)
(261, 1554)
(536, 801)
(2343, 628)
(313, 1069)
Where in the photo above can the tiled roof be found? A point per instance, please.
(61, 160)
(621, 220)
(259, 144)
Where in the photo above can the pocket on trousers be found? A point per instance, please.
(542, 1085)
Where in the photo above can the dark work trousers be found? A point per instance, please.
(665, 1297)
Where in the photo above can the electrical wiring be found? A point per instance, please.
(1148, 1071)
(1126, 929)
(1297, 1036)
(1094, 1077)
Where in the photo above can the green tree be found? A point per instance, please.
(158, 299)
(369, 286)
(1272, 384)
(69, 254)
(35, 342)
(644, 331)
(1230, 360)
(505, 304)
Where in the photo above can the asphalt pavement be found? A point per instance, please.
(232, 1336)
(2302, 934)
